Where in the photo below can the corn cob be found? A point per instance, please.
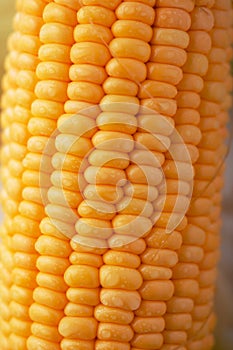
(97, 262)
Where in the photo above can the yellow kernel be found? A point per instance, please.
(21, 295)
(59, 14)
(149, 193)
(25, 260)
(175, 337)
(202, 19)
(157, 290)
(128, 300)
(150, 272)
(172, 18)
(185, 270)
(164, 72)
(148, 341)
(116, 332)
(103, 192)
(49, 298)
(127, 244)
(168, 55)
(191, 82)
(88, 73)
(52, 246)
(131, 225)
(69, 344)
(104, 176)
(121, 259)
(64, 198)
(28, 24)
(31, 210)
(116, 86)
(126, 28)
(190, 134)
(96, 15)
(56, 33)
(69, 215)
(96, 210)
(144, 174)
(20, 311)
(105, 314)
(89, 245)
(78, 146)
(207, 278)
(92, 33)
(82, 276)
(90, 53)
(46, 109)
(51, 264)
(54, 52)
(130, 48)
(26, 80)
(83, 328)
(160, 257)
(112, 4)
(186, 288)
(144, 325)
(33, 342)
(111, 345)
(120, 277)
(84, 296)
(33, 7)
(117, 122)
(24, 278)
(133, 206)
(151, 309)
(119, 103)
(86, 259)
(78, 310)
(51, 89)
(126, 68)
(214, 91)
(196, 63)
(170, 37)
(53, 70)
(155, 124)
(52, 282)
(77, 124)
(178, 321)
(183, 4)
(93, 228)
(46, 332)
(85, 91)
(200, 41)
(41, 127)
(136, 11)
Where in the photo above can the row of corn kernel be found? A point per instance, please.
(24, 271)
(119, 274)
(79, 327)
(53, 72)
(212, 153)
(9, 87)
(168, 56)
(208, 126)
(186, 272)
(27, 45)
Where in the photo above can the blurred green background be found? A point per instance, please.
(224, 302)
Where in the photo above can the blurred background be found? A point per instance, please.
(224, 297)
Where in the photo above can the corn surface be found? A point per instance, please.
(114, 137)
